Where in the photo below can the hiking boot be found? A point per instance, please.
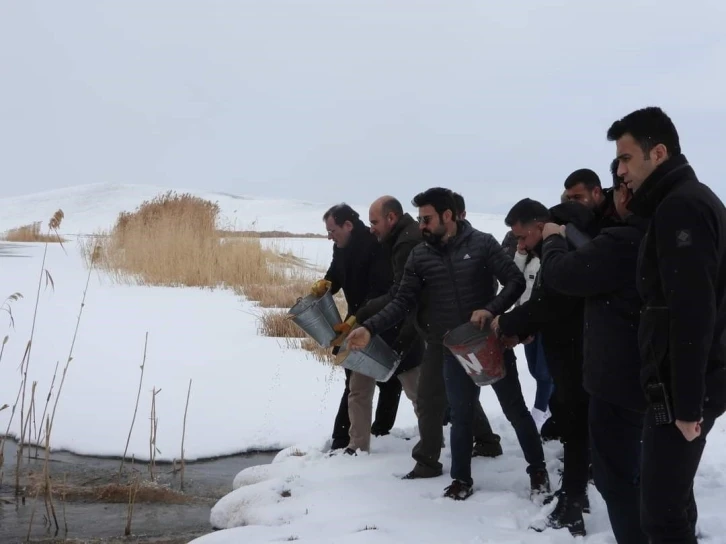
(539, 482)
(339, 443)
(568, 514)
(489, 447)
(556, 495)
(349, 451)
(549, 430)
(458, 490)
(418, 473)
(379, 430)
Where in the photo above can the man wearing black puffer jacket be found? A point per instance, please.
(603, 273)
(559, 318)
(681, 278)
(459, 265)
(362, 270)
(432, 401)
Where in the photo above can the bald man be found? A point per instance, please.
(398, 233)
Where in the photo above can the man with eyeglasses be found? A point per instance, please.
(459, 265)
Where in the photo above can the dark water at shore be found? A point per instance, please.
(92, 520)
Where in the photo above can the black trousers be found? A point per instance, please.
(615, 448)
(570, 408)
(668, 508)
(389, 395)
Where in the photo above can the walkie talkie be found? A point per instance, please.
(660, 402)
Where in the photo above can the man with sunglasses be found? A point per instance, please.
(433, 406)
(459, 265)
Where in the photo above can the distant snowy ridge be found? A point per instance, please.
(90, 208)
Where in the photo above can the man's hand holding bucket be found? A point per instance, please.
(480, 318)
(343, 329)
(358, 338)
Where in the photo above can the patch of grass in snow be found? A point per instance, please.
(31, 233)
(172, 240)
(147, 493)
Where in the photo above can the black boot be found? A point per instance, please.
(568, 514)
(550, 431)
(556, 495)
(539, 482)
(489, 448)
(458, 490)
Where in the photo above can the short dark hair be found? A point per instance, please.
(617, 180)
(392, 205)
(585, 176)
(649, 127)
(341, 213)
(440, 198)
(460, 204)
(527, 211)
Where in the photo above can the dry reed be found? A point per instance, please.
(172, 240)
(31, 233)
(184, 432)
(276, 324)
(136, 406)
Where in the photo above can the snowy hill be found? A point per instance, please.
(89, 208)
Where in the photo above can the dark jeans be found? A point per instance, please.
(463, 395)
(432, 403)
(615, 447)
(534, 352)
(388, 396)
(668, 508)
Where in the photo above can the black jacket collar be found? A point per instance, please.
(403, 223)
(662, 181)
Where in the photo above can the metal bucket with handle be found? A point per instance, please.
(377, 360)
(316, 316)
(479, 352)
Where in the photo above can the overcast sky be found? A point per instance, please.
(347, 100)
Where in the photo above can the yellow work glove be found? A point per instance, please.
(320, 287)
(343, 329)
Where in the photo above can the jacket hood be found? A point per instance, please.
(576, 213)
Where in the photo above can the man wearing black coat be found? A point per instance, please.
(559, 319)
(459, 264)
(362, 270)
(603, 273)
(398, 234)
(681, 277)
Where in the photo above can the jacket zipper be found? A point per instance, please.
(450, 266)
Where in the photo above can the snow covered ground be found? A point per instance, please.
(307, 497)
(252, 392)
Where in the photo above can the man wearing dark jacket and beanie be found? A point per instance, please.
(459, 265)
(681, 278)
(361, 269)
(398, 234)
(603, 273)
(559, 318)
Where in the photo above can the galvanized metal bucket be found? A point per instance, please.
(329, 308)
(316, 318)
(377, 360)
